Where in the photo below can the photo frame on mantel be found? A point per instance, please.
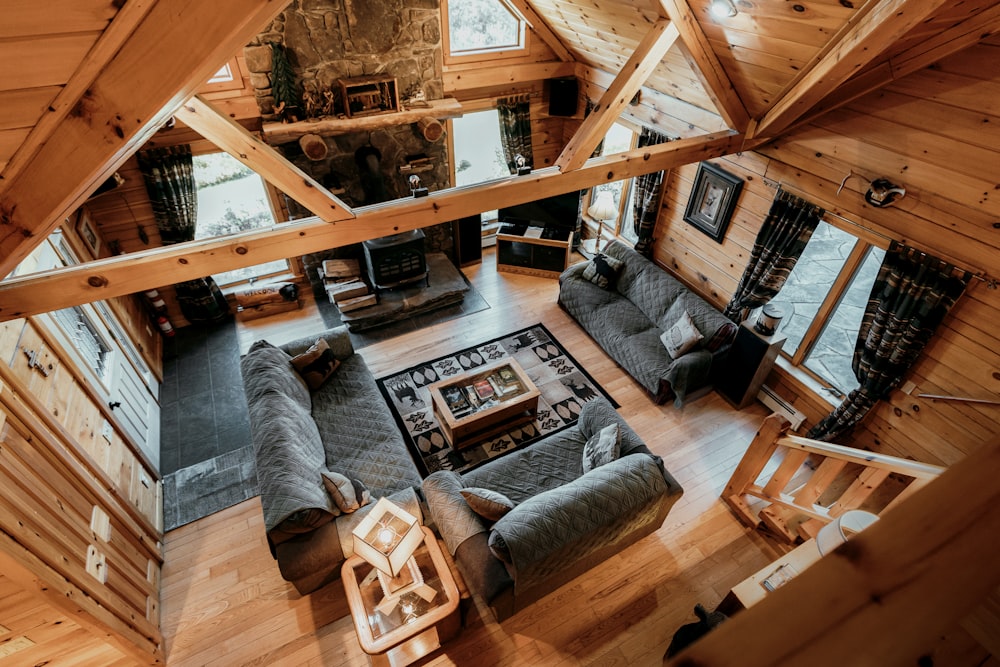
(713, 200)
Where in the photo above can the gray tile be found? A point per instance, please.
(196, 414)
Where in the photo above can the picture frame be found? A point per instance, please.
(712, 201)
(87, 231)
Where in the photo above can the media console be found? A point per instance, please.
(535, 251)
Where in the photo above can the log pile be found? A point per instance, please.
(344, 286)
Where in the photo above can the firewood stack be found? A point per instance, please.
(344, 286)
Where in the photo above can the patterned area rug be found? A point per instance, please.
(563, 384)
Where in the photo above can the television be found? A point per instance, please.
(561, 211)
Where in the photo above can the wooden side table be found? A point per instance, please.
(414, 628)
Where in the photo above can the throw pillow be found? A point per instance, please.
(603, 270)
(491, 505)
(498, 547)
(316, 364)
(602, 447)
(681, 337)
(347, 494)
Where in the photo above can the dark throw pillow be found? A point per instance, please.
(603, 270)
(348, 494)
(316, 364)
(491, 505)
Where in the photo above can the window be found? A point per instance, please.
(232, 198)
(823, 301)
(85, 339)
(475, 27)
(618, 139)
(478, 154)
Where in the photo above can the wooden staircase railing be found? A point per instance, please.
(773, 473)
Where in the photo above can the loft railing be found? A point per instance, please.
(793, 485)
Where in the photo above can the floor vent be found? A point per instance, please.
(768, 397)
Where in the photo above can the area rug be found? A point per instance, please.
(564, 386)
(208, 487)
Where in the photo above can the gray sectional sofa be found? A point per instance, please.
(564, 522)
(345, 427)
(627, 319)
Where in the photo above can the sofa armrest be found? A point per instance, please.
(455, 520)
(572, 271)
(554, 530)
(337, 338)
(688, 372)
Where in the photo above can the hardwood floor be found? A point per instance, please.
(223, 601)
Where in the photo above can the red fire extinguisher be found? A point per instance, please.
(166, 328)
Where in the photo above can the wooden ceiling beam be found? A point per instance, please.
(542, 29)
(706, 65)
(135, 272)
(859, 44)
(957, 38)
(176, 46)
(647, 55)
(108, 44)
(271, 165)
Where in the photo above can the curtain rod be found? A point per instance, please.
(991, 283)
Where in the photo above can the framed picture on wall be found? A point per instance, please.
(713, 199)
(88, 231)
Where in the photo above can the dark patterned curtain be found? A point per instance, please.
(911, 296)
(515, 130)
(646, 201)
(169, 177)
(780, 242)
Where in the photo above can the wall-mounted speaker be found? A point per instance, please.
(563, 96)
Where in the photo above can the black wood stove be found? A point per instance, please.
(396, 260)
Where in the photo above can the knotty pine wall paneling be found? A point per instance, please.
(934, 133)
(80, 515)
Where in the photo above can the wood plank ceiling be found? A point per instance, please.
(760, 72)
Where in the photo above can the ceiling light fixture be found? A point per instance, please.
(722, 9)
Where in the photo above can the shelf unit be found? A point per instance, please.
(281, 133)
(534, 257)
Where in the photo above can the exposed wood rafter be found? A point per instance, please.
(634, 73)
(172, 51)
(700, 55)
(271, 165)
(542, 30)
(857, 47)
(126, 274)
(961, 36)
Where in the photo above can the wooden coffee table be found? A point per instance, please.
(415, 627)
(484, 401)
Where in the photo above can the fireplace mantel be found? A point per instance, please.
(281, 133)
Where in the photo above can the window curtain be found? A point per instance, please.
(646, 200)
(515, 130)
(779, 244)
(911, 296)
(169, 177)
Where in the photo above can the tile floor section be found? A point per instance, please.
(206, 453)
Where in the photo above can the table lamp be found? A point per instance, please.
(603, 208)
(386, 538)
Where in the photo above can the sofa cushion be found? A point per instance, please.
(491, 505)
(681, 336)
(602, 447)
(603, 270)
(316, 364)
(288, 447)
(642, 282)
(359, 433)
(266, 368)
